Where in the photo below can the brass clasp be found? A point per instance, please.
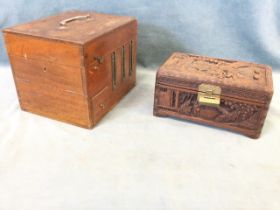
(209, 95)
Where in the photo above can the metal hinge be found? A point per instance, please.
(99, 59)
(209, 95)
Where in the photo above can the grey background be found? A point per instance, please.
(244, 30)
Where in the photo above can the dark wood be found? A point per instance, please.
(64, 68)
(247, 90)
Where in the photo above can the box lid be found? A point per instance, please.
(237, 79)
(72, 26)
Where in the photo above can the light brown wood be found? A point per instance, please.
(44, 50)
(246, 92)
(64, 77)
(52, 102)
(65, 71)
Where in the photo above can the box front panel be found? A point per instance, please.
(233, 114)
(34, 48)
(48, 78)
(54, 103)
(66, 78)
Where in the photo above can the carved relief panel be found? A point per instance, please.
(217, 68)
(231, 112)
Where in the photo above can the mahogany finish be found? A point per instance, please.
(246, 92)
(74, 66)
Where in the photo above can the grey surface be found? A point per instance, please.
(245, 30)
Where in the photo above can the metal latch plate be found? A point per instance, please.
(209, 95)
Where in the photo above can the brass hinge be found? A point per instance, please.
(209, 95)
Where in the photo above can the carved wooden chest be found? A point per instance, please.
(74, 66)
(224, 93)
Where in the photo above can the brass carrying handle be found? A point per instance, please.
(80, 17)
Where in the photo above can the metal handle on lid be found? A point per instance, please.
(80, 17)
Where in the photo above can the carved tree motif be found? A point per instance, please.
(228, 112)
(188, 103)
(235, 112)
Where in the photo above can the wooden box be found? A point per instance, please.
(75, 66)
(224, 93)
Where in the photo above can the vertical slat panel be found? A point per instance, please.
(130, 57)
(114, 70)
(123, 63)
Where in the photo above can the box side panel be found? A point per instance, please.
(109, 41)
(269, 83)
(233, 114)
(54, 103)
(110, 68)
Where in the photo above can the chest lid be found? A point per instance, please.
(241, 80)
(72, 26)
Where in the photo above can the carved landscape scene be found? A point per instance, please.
(230, 112)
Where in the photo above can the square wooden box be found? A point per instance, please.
(74, 66)
(224, 93)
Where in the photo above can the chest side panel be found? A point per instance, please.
(110, 68)
(110, 60)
